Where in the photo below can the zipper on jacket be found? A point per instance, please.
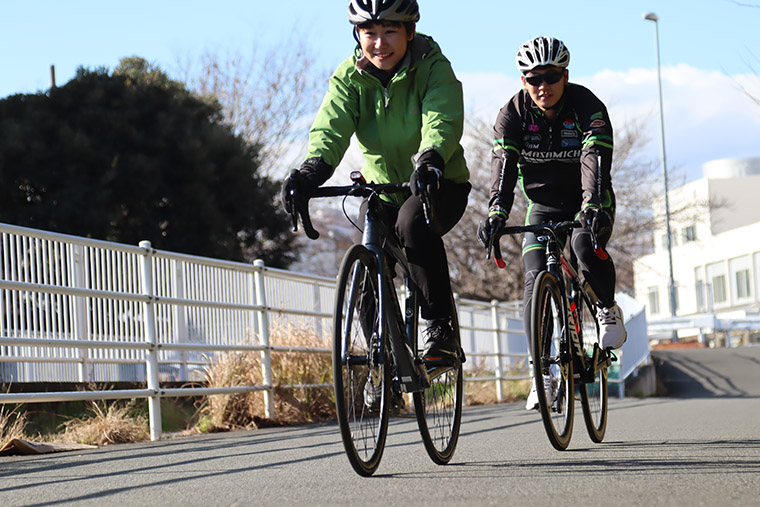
(387, 95)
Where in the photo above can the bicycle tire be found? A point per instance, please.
(551, 356)
(439, 408)
(594, 395)
(358, 353)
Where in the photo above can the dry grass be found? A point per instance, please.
(292, 406)
(12, 424)
(484, 393)
(106, 424)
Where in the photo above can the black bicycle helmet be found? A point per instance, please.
(542, 51)
(402, 11)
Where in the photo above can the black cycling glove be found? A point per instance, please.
(312, 173)
(492, 224)
(428, 172)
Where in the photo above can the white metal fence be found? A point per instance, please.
(82, 310)
(79, 310)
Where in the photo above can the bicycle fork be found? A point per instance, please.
(411, 376)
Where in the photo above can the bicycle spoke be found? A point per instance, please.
(553, 376)
(361, 380)
(594, 395)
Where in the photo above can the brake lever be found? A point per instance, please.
(427, 207)
(293, 211)
(493, 244)
(303, 210)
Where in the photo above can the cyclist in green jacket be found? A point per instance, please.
(398, 94)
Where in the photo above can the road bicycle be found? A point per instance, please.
(564, 338)
(376, 345)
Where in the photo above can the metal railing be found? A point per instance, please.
(79, 310)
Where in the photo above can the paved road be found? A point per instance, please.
(686, 450)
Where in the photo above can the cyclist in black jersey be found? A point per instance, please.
(555, 137)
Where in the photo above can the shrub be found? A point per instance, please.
(12, 424)
(292, 405)
(116, 423)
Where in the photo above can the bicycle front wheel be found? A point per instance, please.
(552, 364)
(594, 393)
(439, 408)
(361, 371)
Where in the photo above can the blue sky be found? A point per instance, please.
(708, 48)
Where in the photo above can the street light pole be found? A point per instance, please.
(651, 16)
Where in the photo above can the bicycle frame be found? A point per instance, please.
(375, 354)
(558, 265)
(384, 245)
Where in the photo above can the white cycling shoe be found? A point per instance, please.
(549, 389)
(612, 333)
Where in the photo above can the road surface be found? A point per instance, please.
(698, 446)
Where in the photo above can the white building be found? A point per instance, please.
(715, 227)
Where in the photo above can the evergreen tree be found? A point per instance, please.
(133, 155)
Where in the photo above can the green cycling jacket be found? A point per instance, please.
(421, 108)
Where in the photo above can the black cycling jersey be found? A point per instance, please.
(561, 164)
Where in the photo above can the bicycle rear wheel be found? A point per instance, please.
(551, 357)
(439, 408)
(594, 393)
(361, 371)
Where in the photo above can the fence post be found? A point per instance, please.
(266, 355)
(151, 357)
(316, 289)
(497, 348)
(80, 313)
(181, 318)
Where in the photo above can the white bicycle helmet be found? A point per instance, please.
(542, 51)
(403, 11)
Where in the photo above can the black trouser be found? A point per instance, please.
(599, 272)
(423, 244)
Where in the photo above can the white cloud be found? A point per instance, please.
(707, 114)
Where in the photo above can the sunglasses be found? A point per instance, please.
(550, 78)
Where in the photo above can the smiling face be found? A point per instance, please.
(545, 85)
(385, 44)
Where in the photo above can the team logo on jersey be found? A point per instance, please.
(597, 123)
(570, 143)
(597, 116)
(568, 124)
(540, 157)
(569, 133)
(532, 127)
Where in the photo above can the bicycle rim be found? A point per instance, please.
(439, 412)
(550, 359)
(356, 358)
(593, 394)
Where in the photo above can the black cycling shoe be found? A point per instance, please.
(441, 344)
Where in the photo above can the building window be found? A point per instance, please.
(743, 284)
(690, 234)
(654, 300)
(673, 240)
(701, 307)
(719, 289)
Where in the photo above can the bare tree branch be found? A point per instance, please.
(268, 95)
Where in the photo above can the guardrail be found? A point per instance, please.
(105, 310)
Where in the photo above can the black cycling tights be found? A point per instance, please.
(424, 247)
(600, 273)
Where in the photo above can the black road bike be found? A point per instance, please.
(564, 338)
(376, 345)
